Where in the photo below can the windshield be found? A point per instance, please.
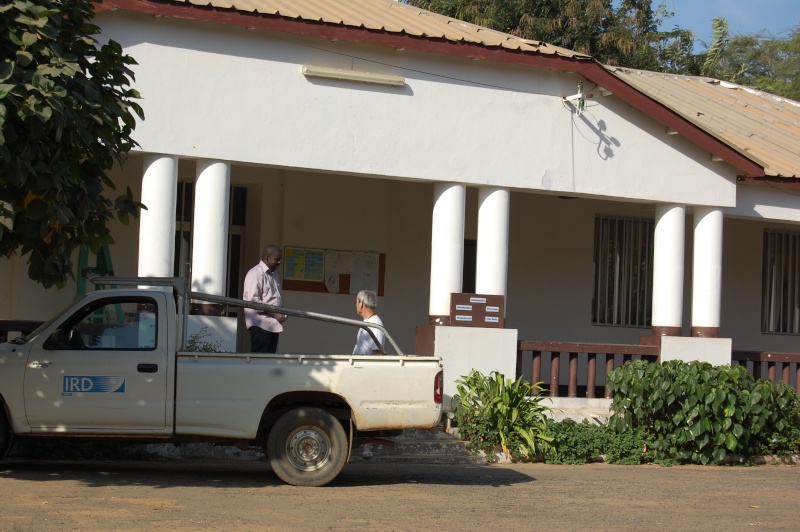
(25, 338)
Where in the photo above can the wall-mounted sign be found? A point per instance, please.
(333, 271)
(303, 264)
(477, 310)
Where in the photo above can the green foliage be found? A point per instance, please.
(584, 442)
(629, 447)
(197, 342)
(575, 443)
(493, 410)
(66, 117)
(676, 412)
(618, 33)
(761, 61)
(718, 45)
(696, 413)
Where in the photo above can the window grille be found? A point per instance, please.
(780, 294)
(623, 271)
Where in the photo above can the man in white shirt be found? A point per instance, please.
(366, 301)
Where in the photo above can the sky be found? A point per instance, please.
(744, 16)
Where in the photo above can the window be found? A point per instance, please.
(120, 323)
(780, 294)
(623, 266)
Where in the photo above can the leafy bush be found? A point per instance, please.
(627, 448)
(779, 438)
(493, 410)
(584, 442)
(575, 443)
(696, 413)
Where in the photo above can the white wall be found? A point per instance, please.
(21, 299)
(240, 95)
(766, 202)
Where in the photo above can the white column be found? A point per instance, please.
(707, 272)
(210, 227)
(157, 222)
(447, 245)
(668, 269)
(492, 252)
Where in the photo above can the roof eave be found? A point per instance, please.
(771, 181)
(589, 68)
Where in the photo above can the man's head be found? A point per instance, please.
(272, 256)
(366, 301)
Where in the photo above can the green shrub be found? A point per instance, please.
(696, 413)
(575, 443)
(585, 442)
(629, 447)
(494, 411)
(783, 436)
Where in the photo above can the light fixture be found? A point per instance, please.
(353, 75)
(578, 100)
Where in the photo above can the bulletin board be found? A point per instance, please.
(333, 271)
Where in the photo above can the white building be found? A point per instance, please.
(605, 205)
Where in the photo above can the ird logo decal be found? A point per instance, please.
(92, 384)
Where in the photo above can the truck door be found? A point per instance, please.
(104, 368)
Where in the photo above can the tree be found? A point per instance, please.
(633, 40)
(758, 60)
(627, 35)
(66, 117)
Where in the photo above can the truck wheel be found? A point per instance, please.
(307, 447)
(5, 433)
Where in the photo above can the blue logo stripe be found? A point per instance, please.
(93, 384)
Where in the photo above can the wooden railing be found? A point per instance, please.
(17, 326)
(755, 361)
(614, 355)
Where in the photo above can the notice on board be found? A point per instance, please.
(303, 264)
(363, 269)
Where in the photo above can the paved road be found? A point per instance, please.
(246, 495)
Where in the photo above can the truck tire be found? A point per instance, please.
(307, 447)
(5, 433)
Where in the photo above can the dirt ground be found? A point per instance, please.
(246, 495)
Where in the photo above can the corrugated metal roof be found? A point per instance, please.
(388, 16)
(764, 127)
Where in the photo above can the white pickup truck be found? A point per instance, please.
(114, 365)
